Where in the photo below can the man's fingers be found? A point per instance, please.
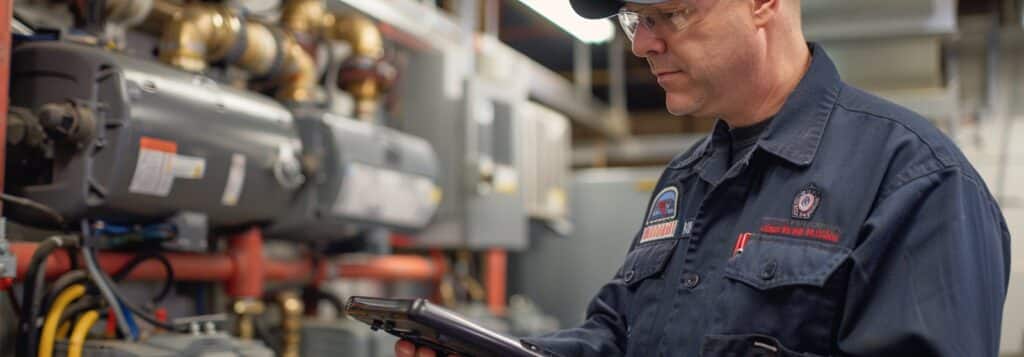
(425, 352)
(405, 348)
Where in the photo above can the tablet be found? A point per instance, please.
(426, 324)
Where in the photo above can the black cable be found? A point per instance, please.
(31, 297)
(263, 333)
(62, 283)
(318, 294)
(86, 303)
(139, 259)
(13, 298)
(131, 307)
(44, 209)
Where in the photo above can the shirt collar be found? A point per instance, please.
(795, 133)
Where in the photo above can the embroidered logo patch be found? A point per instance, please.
(661, 218)
(806, 202)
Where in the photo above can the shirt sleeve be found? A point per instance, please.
(603, 333)
(930, 274)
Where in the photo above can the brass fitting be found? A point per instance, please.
(246, 310)
(161, 13)
(304, 16)
(200, 33)
(311, 18)
(299, 73)
(291, 323)
(197, 34)
(367, 50)
(261, 47)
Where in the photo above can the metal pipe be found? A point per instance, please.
(495, 280)
(247, 254)
(6, 8)
(299, 73)
(201, 33)
(367, 50)
(198, 34)
(292, 309)
(247, 309)
(223, 267)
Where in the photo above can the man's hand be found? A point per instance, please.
(404, 348)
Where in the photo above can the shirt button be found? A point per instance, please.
(629, 276)
(768, 273)
(691, 280)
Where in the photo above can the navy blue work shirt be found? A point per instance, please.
(853, 228)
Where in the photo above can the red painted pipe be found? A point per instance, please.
(495, 281)
(6, 8)
(247, 254)
(227, 267)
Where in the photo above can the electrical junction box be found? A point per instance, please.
(472, 123)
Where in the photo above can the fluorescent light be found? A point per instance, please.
(561, 14)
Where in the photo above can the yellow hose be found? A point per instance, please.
(53, 318)
(81, 329)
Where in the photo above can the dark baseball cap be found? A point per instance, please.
(599, 9)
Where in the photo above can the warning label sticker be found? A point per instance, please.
(159, 164)
(153, 171)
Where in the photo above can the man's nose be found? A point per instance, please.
(646, 43)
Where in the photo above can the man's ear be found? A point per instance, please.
(766, 11)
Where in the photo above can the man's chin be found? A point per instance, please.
(683, 109)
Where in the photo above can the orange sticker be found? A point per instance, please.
(158, 145)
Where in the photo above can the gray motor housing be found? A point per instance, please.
(235, 152)
(368, 176)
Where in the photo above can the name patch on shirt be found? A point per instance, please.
(662, 218)
(800, 229)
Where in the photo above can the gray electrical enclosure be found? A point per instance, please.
(472, 124)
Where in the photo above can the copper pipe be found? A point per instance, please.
(291, 323)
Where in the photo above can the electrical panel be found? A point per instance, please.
(473, 124)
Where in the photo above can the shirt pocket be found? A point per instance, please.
(770, 262)
(647, 260)
(642, 275)
(786, 288)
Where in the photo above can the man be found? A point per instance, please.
(815, 220)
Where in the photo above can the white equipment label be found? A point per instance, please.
(236, 179)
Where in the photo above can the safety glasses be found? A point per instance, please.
(667, 18)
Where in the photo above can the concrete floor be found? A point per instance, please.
(982, 145)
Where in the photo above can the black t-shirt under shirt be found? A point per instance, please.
(743, 140)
